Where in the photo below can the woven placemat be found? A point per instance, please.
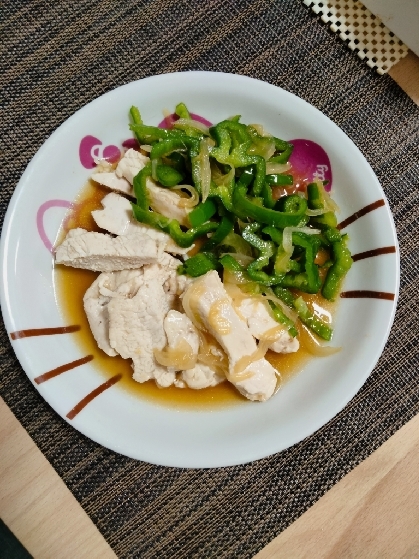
(57, 56)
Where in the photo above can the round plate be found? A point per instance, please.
(142, 429)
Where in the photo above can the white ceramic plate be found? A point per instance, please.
(150, 432)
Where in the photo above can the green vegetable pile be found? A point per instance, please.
(268, 245)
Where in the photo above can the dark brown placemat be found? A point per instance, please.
(57, 56)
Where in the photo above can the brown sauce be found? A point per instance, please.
(72, 284)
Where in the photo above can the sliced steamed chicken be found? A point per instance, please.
(126, 312)
(183, 340)
(116, 217)
(136, 330)
(103, 253)
(263, 327)
(162, 200)
(96, 299)
(208, 304)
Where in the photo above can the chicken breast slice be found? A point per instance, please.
(131, 164)
(162, 200)
(116, 217)
(207, 303)
(178, 328)
(201, 376)
(107, 285)
(112, 181)
(167, 202)
(122, 178)
(263, 326)
(103, 253)
(125, 284)
(136, 329)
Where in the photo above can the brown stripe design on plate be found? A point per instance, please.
(62, 369)
(360, 213)
(373, 252)
(44, 331)
(366, 294)
(92, 395)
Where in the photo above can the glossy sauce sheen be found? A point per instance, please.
(72, 284)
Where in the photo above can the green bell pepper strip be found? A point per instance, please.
(338, 270)
(233, 142)
(224, 228)
(279, 180)
(171, 226)
(332, 235)
(182, 112)
(283, 319)
(285, 149)
(173, 143)
(135, 115)
(202, 213)
(309, 280)
(268, 200)
(312, 321)
(266, 251)
(247, 176)
(275, 234)
(140, 187)
(280, 266)
(142, 213)
(177, 161)
(237, 243)
(244, 208)
(151, 134)
(315, 202)
(168, 176)
(199, 264)
(229, 263)
(224, 193)
(184, 143)
(261, 145)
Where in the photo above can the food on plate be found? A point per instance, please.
(209, 254)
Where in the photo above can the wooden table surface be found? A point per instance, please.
(373, 512)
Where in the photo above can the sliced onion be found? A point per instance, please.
(321, 211)
(180, 358)
(187, 299)
(191, 123)
(243, 259)
(236, 278)
(154, 163)
(146, 147)
(287, 237)
(187, 202)
(329, 204)
(270, 296)
(261, 131)
(277, 168)
(220, 179)
(314, 347)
